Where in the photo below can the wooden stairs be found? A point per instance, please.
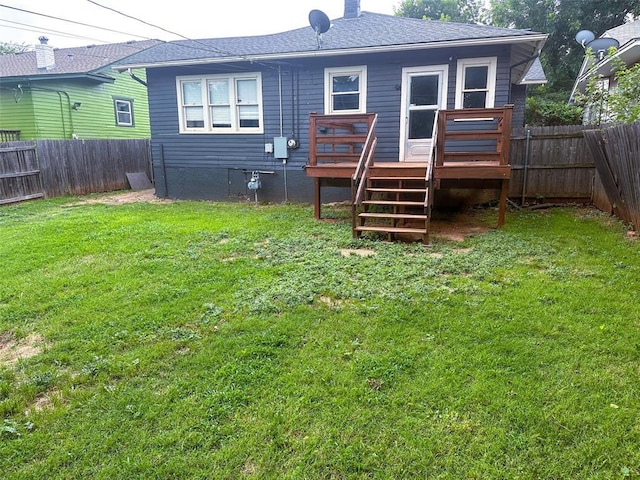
(395, 199)
(396, 203)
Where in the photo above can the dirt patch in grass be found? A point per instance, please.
(456, 226)
(121, 198)
(360, 252)
(44, 401)
(331, 302)
(12, 349)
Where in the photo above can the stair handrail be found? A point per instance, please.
(364, 162)
(432, 160)
(361, 185)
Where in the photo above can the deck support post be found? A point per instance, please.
(317, 198)
(502, 209)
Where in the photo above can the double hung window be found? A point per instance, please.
(220, 103)
(476, 83)
(123, 108)
(345, 90)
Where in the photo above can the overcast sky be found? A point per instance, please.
(190, 18)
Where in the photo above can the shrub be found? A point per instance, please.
(540, 111)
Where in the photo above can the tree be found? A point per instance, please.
(9, 47)
(466, 11)
(562, 19)
(618, 105)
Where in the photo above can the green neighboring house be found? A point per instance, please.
(74, 93)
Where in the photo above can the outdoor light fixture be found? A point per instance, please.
(76, 105)
(600, 46)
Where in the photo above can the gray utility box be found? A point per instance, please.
(280, 147)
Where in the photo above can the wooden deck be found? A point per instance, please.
(397, 197)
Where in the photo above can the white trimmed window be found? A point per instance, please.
(476, 82)
(345, 90)
(123, 108)
(220, 103)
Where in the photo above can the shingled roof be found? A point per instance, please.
(71, 61)
(625, 32)
(367, 32)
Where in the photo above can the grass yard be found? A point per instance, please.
(194, 340)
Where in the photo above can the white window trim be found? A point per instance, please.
(235, 126)
(360, 70)
(463, 63)
(130, 112)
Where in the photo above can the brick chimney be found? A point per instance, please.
(44, 55)
(351, 8)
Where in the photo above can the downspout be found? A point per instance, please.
(137, 79)
(284, 160)
(60, 93)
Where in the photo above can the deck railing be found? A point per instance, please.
(474, 136)
(338, 139)
(9, 135)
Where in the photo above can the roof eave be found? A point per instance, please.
(538, 38)
(61, 76)
(534, 82)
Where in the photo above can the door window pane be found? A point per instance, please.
(421, 123)
(424, 90)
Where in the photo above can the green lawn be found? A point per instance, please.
(195, 340)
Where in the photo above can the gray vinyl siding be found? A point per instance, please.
(201, 165)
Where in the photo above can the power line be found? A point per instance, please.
(38, 29)
(73, 21)
(206, 47)
(139, 20)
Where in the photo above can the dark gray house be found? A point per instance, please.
(223, 109)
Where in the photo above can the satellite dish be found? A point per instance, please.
(602, 45)
(319, 22)
(585, 36)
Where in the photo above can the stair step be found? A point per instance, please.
(407, 216)
(402, 203)
(396, 190)
(366, 228)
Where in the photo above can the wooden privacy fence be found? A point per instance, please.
(551, 164)
(616, 151)
(19, 172)
(52, 168)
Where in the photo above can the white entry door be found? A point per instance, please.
(424, 91)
